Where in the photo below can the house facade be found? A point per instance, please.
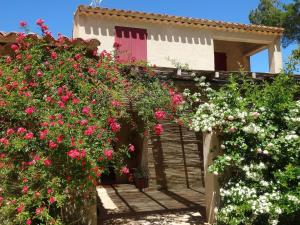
(169, 40)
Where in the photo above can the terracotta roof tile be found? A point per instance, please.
(212, 24)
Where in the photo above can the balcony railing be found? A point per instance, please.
(167, 73)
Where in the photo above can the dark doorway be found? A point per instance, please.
(220, 61)
(109, 177)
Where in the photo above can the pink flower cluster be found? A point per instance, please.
(114, 125)
(131, 148)
(53, 145)
(21, 130)
(86, 110)
(76, 154)
(124, 170)
(159, 114)
(52, 200)
(177, 99)
(43, 134)
(30, 110)
(43, 27)
(39, 210)
(47, 162)
(158, 129)
(29, 136)
(4, 141)
(90, 130)
(23, 24)
(115, 103)
(108, 153)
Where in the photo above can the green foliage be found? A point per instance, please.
(259, 160)
(268, 12)
(276, 13)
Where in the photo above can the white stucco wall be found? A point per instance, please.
(184, 44)
(190, 45)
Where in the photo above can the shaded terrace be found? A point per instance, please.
(124, 200)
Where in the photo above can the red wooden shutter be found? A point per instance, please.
(123, 38)
(139, 44)
(133, 44)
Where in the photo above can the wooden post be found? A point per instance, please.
(144, 160)
(210, 142)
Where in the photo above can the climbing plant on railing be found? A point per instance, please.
(259, 161)
(60, 109)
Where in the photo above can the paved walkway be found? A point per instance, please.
(126, 205)
(179, 218)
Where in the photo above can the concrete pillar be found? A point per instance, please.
(275, 56)
(210, 142)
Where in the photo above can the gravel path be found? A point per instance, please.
(178, 218)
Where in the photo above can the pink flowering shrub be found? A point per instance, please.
(158, 129)
(60, 110)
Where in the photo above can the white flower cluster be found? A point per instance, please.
(242, 115)
(291, 136)
(240, 192)
(263, 204)
(254, 171)
(228, 210)
(274, 222)
(196, 97)
(205, 86)
(294, 116)
(206, 118)
(249, 130)
(252, 129)
(294, 199)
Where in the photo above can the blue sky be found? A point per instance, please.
(58, 14)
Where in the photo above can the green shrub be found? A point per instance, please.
(259, 160)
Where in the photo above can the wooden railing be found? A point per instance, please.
(217, 76)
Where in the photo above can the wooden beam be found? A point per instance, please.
(255, 50)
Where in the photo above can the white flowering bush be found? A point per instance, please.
(259, 160)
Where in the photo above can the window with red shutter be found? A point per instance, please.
(132, 44)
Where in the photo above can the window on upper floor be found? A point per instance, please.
(132, 44)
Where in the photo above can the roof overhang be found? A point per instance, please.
(176, 20)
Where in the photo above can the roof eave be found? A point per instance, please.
(203, 23)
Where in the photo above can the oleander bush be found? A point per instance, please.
(259, 154)
(60, 109)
